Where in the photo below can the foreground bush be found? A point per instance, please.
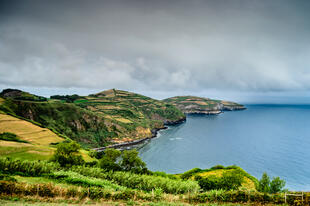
(231, 180)
(27, 168)
(67, 154)
(267, 186)
(78, 179)
(239, 196)
(51, 191)
(142, 182)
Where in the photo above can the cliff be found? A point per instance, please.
(200, 105)
(109, 117)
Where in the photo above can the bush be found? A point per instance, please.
(108, 160)
(132, 162)
(229, 181)
(190, 173)
(67, 154)
(276, 185)
(139, 181)
(26, 167)
(267, 186)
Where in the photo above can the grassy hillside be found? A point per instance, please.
(31, 142)
(192, 104)
(249, 182)
(95, 120)
(37, 139)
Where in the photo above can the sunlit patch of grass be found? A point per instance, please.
(248, 183)
(27, 131)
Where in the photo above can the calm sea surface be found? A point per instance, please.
(270, 138)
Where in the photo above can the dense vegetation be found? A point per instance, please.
(99, 184)
(96, 120)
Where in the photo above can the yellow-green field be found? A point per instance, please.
(27, 131)
(38, 138)
(248, 183)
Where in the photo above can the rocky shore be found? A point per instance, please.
(155, 131)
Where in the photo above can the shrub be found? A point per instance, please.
(131, 161)
(26, 167)
(108, 160)
(267, 186)
(190, 173)
(231, 180)
(140, 181)
(67, 154)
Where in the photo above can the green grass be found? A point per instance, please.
(89, 120)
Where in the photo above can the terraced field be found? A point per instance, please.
(39, 139)
(192, 104)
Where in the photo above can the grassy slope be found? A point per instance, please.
(248, 184)
(39, 140)
(96, 120)
(192, 103)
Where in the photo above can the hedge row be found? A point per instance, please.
(51, 191)
(141, 182)
(243, 196)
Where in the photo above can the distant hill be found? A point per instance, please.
(200, 105)
(100, 119)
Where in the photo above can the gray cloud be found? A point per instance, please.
(195, 46)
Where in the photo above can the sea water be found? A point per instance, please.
(264, 138)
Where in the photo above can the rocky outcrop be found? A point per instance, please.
(200, 105)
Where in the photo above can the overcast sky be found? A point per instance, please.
(242, 50)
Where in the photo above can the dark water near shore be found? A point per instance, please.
(271, 138)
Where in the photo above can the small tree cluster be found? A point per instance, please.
(229, 181)
(127, 160)
(68, 154)
(274, 186)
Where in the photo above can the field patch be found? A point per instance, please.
(27, 131)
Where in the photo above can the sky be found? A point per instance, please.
(251, 51)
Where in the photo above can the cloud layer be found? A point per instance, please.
(241, 45)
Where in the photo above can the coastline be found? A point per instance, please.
(140, 141)
(125, 145)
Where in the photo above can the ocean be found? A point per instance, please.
(264, 138)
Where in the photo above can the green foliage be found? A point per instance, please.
(27, 168)
(5, 177)
(78, 179)
(131, 161)
(267, 186)
(7, 136)
(276, 185)
(190, 173)
(141, 182)
(264, 183)
(68, 154)
(67, 98)
(231, 180)
(108, 161)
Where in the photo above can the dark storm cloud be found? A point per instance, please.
(239, 45)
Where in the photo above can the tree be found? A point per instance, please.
(276, 185)
(267, 186)
(232, 180)
(68, 154)
(132, 162)
(109, 160)
(264, 184)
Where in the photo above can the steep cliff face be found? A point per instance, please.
(200, 105)
(94, 120)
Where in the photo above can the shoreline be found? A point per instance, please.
(140, 141)
(155, 131)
